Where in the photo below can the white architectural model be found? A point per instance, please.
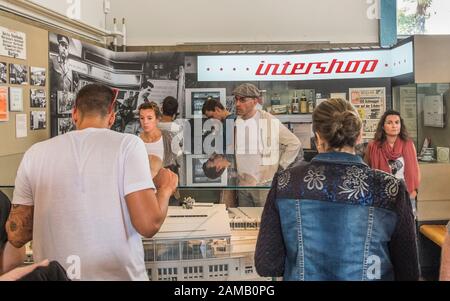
(202, 243)
(199, 244)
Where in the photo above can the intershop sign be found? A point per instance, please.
(318, 66)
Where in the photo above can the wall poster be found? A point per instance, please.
(433, 111)
(4, 114)
(16, 99)
(370, 104)
(13, 43)
(408, 109)
(138, 76)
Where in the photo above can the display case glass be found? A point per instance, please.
(425, 110)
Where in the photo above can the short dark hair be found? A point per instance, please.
(59, 37)
(147, 84)
(380, 135)
(150, 106)
(95, 99)
(170, 106)
(211, 104)
(211, 172)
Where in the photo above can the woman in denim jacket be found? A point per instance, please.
(335, 218)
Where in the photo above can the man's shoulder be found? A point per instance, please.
(124, 137)
(265, 114)
(54, 60)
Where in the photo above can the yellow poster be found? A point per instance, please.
(4, 115)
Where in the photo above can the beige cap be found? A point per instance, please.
(247, 90)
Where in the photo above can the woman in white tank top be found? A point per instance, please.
(149, 115)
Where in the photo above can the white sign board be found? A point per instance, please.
(16, 99)
(433, 111)
(316, 66)
(21, 125)
(13, 43)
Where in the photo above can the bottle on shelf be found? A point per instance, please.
(295, 106)
(303, 104)
(310, 106)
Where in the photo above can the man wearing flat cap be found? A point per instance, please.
(61, 75)
(263, 145)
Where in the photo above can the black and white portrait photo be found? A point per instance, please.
(66, 101)
(18, 74)
(37, 98)
(37, 76)
(61, 73)
(65, 125)
(38, 120)
(3, 73)
(138, 76)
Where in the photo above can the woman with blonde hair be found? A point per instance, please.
(149, 116)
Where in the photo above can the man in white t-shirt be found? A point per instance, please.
(86, 197)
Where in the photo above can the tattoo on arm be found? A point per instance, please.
(20, 225)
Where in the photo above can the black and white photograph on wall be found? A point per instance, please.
(66, 101)
(65, 125)
(65, 54)
(18, 74)
(196, 168)
(139, 77)
(37, 98)
(3, 73)
(38, 120)
(37, 76)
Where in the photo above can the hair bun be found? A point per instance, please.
(338, 123)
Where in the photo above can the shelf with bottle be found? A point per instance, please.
(295, 102)
(303, 104)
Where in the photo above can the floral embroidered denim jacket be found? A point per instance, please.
(337, 219)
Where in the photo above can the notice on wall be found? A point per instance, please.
(370, 104)
(16, 99)
(4, 114)
(21, 125)
(13, 43)
(433, 111)
(408, 109)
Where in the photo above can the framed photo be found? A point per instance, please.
(195, 98)
(38, 120)
(37, 98)
(37, 76)
(16, 99)
(3, 73)
(65, 125)
(18, 74)
(195, 176)
(65, 101)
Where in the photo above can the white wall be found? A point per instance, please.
(91, 11)
(171, 22)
